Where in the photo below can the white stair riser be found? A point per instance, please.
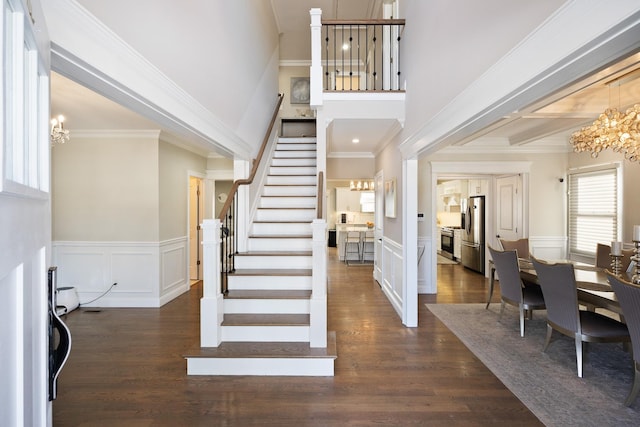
(292, 170)
(279, 245)
(295, 147)
(279, 229)
(311, 161)
(268, 366)
(290, 190)
(273, 262)
(288, 202)
(295, 153)
(265, 333)
(283, 283)
(291, 180)
(297, 140)
(289, 214)
(270, 306)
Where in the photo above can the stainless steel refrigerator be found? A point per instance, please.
(472, 250)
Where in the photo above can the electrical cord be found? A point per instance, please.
(97, 298)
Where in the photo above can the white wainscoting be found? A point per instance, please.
(426, 260)
(392, 273)
(148, 274)
(548, 247)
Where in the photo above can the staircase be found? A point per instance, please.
(265, 319)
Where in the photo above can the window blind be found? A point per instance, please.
(593, 210)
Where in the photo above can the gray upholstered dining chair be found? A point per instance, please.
(558, 283)
(603, 257)
(628, 296)
(512, 290)
(521, 246)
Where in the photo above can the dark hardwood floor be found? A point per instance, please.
(126, 368)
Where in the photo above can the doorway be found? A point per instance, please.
(195, 219)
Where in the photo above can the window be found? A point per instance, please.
(593, 210)
(24, 155)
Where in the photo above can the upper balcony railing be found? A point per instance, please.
(361, 55)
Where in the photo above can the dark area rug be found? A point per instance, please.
(547, 383)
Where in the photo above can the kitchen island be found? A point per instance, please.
(342, 230)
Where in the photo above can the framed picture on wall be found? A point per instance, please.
(300, 90)
(390, 198)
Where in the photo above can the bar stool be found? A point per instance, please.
(352, 239)
(368, 245)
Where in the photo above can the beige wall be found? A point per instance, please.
(174, 166)
(105, 189)
(347, 169)
(389, 161)
(284, 79)
(121, 189)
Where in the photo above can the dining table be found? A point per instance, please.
(592, 285)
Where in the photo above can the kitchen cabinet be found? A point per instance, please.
(438, 240)
(457, 243)
(478, 187)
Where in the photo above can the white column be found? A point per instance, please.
(211, 303)
(410, 242)
(315, 71)
(318, 310)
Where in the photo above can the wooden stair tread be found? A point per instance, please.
(268, 294)
(286, 207)
(266, 320)
(288, 196)
(274, 253)
(267, 350)
(271, 272)
(281, 236)
(276, 221)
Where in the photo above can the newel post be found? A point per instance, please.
(211, 304)
(315, 71)
(318, 312)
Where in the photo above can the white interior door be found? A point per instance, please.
(194, 227)
(509, 222)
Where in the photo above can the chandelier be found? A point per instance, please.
(59, 135)
(612, 129)
(361, 185)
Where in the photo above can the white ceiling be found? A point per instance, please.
(551, 120)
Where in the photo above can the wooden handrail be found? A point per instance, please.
(363, 22)
(320, 195)
(256, 162)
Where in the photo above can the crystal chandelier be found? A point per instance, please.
(59, 135)
(612, 129)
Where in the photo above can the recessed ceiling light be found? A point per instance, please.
(355, 140)
(345, 46)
